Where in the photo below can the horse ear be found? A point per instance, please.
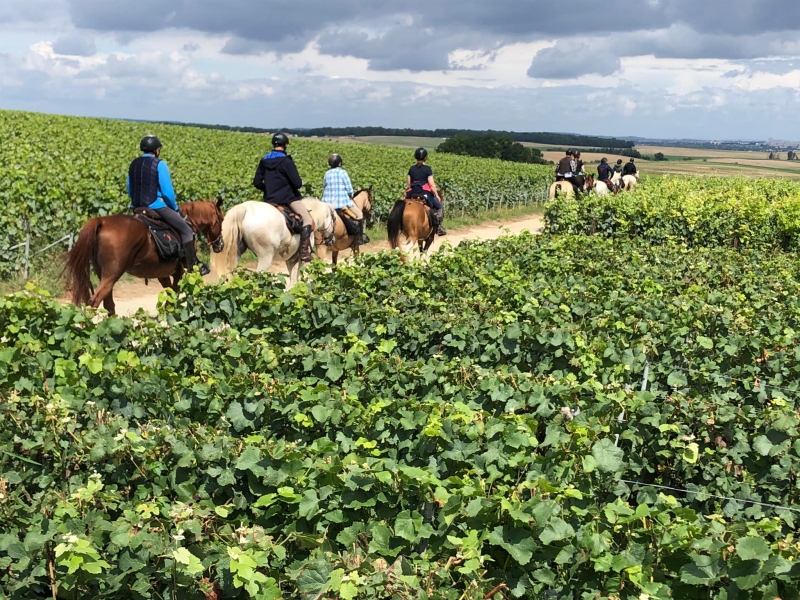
(219, 202)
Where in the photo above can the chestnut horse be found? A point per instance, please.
(120, 244)
(410, 217)
(342, 240)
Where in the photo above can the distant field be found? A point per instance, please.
(682, 161)
(384, 140)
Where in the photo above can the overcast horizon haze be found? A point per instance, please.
(649, 68)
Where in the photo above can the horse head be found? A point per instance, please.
(206, 218)
(365, 197)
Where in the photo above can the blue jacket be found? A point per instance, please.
(605, 172)
(166, 192)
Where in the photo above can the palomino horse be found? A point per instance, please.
(629, 182)
(566, 187)
(342, 240)
(410, 217)
(120, 244)
(261, 227)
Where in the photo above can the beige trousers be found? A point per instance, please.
(300, 208)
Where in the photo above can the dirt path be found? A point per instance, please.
(130, 296)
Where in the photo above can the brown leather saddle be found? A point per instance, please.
(167, 240)
(293, 221)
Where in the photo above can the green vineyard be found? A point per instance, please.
(760, 213)
(535, 417)
(56, 172)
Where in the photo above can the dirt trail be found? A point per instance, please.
(130, 296)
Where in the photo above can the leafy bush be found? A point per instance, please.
(696, 211)
(444, 430)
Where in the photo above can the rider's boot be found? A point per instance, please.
(440, 214)
(363, 237)
(305, 244)
(190, 251)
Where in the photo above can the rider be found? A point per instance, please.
(605, 173)
(630, 169)
(578, 163)
(338, 192)
(618, 167)
(278, 178)
(566, 168)
(420, 181)
(150, 186)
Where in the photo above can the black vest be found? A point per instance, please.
(143, 174)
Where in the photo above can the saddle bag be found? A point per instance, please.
(167, 241)
(293, 221)
(353, 226)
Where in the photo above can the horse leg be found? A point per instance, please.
(265, 261)
(103, 290)
(334, 257)
(108, 303)
(166, 282)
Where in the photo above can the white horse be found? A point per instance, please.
(629, 182)
(261, 227)
(601, 189)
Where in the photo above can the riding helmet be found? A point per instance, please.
(334, 160)
(570, 152)
(149, 143)
(421, 154)
(603, 161)
(280, 139)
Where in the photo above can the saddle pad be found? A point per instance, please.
(432, 216)
(166, 239)
(350, 224)
(293, 221)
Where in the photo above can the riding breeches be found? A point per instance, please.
(175, 220)
(300, 208)
(355, 211)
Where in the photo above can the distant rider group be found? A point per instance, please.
(150, 187)
(570, 169)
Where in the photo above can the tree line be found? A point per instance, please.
(559, 139)
(492, 146)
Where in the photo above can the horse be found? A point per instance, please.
(342, 240)
(629, 182)
(409, 216)
(261, 227)
(120, 244)
(601, 189)
(568, 189)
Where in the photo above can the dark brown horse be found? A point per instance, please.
(121, 244)
(410, 218)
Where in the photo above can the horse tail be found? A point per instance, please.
(224, 262)
(395, 223)
(80, 260)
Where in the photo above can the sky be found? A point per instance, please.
(704, 69)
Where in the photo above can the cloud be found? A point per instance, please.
(572, 60)
(75, 44)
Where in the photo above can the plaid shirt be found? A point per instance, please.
(337, 189)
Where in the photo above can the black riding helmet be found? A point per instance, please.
(570, 153)
(150, 144)
(334, 161)
(280, 139)
(420, 154)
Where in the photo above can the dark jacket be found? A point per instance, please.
(278, 178)
(629, 169)
(604, 172)
(565, 166)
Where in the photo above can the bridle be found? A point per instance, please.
(216, 245)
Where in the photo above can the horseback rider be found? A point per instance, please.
(578, 163)
(278, 178)
(338, 192)
(605, 173)
(618, 167)
(630, 169)
(420, 182)
(150, 186)
(566, 168)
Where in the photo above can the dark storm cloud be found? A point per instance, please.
(568, 61)
(75, 44)
(421, 38)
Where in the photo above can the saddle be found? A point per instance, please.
(432, 216)
(350, 224)
(167, 241)
(293, 221)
